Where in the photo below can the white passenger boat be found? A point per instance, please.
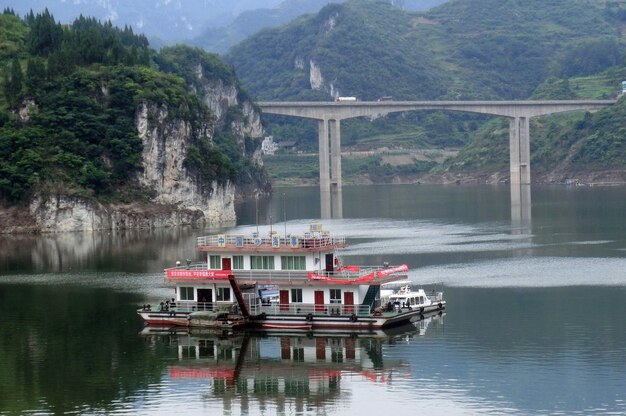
(311, 289)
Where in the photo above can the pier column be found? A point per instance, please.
(322, 127)
(336, 196)
(519, 142)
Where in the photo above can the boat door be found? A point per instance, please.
(205, 299)
(285, 348)
(320, 348)
(348, 301)
(330, 263)
(319, 301)
(284, 300)
(226, 263)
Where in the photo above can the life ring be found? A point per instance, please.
(353, 318)
(309, 317)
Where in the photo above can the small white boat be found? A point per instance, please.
(407, 298)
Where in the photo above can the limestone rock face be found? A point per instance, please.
(60, 213)
(178, 197)
(165, 145)
(315, 77)
(220, 97)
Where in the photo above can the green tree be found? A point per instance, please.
(13, 83)
(35, 74)
(45, 34)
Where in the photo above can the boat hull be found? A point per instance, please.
(312, 322)
(294, 322)
(164, 318)
(183, 319)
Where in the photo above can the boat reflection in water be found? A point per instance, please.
(299, 369)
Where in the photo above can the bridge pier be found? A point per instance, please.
(336, 196)
(519, 148)
(322, 130)
(331, 198)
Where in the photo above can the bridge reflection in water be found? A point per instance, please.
(521, 209)
(295, 370)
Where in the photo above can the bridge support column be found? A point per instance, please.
(322, 129)
(519, 143)
(336, 196)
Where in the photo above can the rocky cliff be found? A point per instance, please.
(177, 195)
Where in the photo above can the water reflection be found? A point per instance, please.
(521, 209)
(126, 250)
(284, 373)
(69, 348)
(442, 225)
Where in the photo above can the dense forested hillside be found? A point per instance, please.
(68, 109)
(563, 146)
(461, 50)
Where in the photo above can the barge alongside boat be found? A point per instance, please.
(312, 290)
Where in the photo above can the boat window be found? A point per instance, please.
(421, 299)
(187, 351)
(225, 353)
(296, 295)
(206, 348)
(336, 356)
(237, 262)
(298, 354)
(186, 293)
(293, 262)
(335, 295)
(222, 294)
(215, 262)
(262, 262)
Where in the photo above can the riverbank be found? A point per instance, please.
(596, 178)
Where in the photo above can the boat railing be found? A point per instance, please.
(195, 306)
(435, 296)
(199, 265)
(285, 276)
(329, 309)
(353, 272)
(247, 242)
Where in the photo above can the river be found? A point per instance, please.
(536, 318)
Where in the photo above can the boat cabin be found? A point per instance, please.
(291, 273)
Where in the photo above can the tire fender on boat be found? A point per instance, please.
(440, 305)
(309, 317)
(263, 316)
(353, 318)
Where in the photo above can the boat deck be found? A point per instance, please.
(347, 276)
(240, 243)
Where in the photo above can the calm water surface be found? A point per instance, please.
(536, 319)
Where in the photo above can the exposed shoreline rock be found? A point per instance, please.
(60, 213)
(609, 177)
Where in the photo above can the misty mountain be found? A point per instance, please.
(214, 25)
(220, 39)
(169, 20)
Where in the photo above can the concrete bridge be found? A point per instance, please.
(330, 114)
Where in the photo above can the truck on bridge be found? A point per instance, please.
(338, 99)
